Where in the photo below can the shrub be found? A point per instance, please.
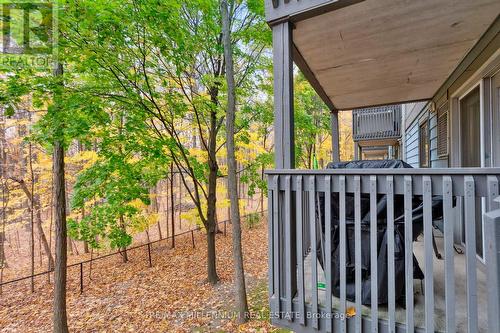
(252, 220)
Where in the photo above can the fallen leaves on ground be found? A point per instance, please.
(171, 296)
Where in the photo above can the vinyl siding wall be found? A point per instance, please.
(415, 114)
(411, 145)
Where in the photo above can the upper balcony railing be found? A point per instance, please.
(377, 123)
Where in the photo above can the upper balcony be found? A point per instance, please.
(382, 124)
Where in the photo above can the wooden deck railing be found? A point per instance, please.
(301, 219)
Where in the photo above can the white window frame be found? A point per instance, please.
(479, 79)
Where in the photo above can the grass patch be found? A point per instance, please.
(258, 304)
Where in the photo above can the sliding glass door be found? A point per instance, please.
(470, 148)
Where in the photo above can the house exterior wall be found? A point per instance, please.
(480, 68)
(436, 160)
(477, 69)
(411, 146)
(414, 115)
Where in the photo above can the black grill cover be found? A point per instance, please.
(399, 250)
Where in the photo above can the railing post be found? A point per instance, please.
(492, 228)
(270, 239)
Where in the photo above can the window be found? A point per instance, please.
(423, 144)
(442, 130)
(470, 151)
(470, 130)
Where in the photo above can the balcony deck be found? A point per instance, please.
(419, 299)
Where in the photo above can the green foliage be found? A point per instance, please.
(312, 121)
(128, 165)
(163, 63)
(9, 111)
(256, 123)
(140, 80)
(102, 223)
(252, 220)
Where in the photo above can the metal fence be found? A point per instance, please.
(300, 199)
(146, 246)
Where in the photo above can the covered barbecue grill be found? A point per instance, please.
(382, 257)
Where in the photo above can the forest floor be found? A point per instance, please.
(171, 296)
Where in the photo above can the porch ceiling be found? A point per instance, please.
(389, 51)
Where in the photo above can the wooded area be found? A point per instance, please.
(154, 117)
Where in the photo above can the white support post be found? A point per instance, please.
(356, 151)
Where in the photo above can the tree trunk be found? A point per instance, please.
(157, 210)
(60, 318)
(51, 220)
(40, 259)
(91, 261)
(35, 206)
(5, 200)
(73, 246)
(124, 254)
(211, 228)
(165, 209)
(228, 198)
(18, 241)
(262, 193)
(153, 195)
(241, 295)
(32, 224)
(3, 259)
(41, 233)
(262, 178)
(180, 201)
(85, 243)
(172, 211)
(211, 225)
(123, 250)
(70, 246)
